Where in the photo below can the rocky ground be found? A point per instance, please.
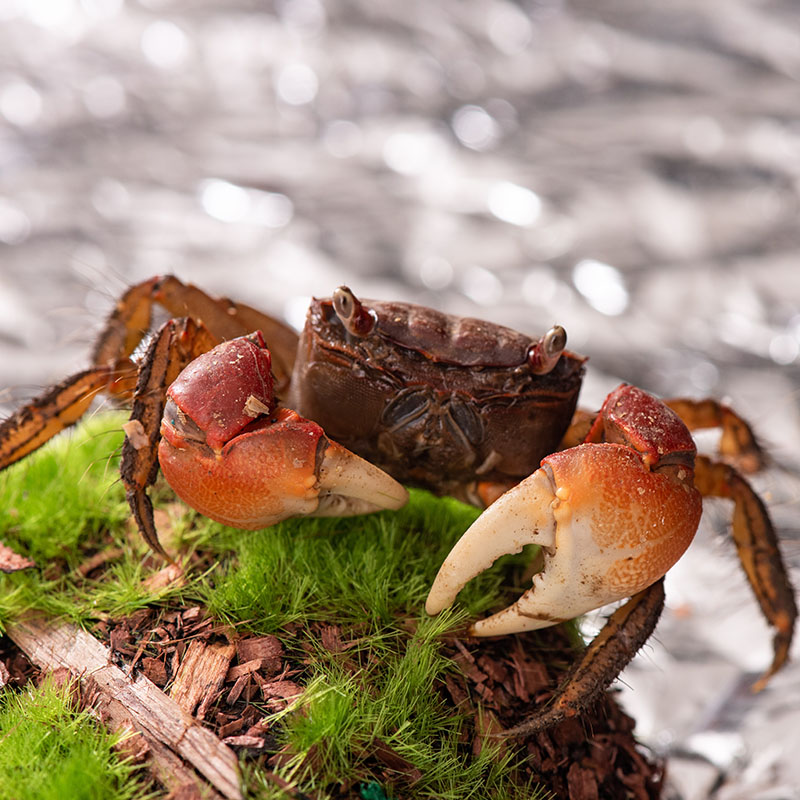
(629, 170)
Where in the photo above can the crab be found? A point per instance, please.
(251, 425)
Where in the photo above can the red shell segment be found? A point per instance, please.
(215, 390)
(635, 418)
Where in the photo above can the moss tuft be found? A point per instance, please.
(48, 751)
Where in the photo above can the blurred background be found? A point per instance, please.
(628, 169)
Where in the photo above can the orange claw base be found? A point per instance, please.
(649, 517)
(258, 478)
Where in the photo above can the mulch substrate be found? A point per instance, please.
(15, 669)
(499, 684)
(587, 758)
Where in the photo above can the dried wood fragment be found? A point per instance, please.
(252, 742)
(288, 690)
(259, 729)
(388, 756)
(267, 647)
(234, 673)
(11, 561)
(582, 783)
(171, 575)
(5, 675)
(331, 636)
(121, 641)
(155, 669)
(486, 726)
(285, 785)
(201, 673)
(177, 743)
(229, 728)
(238, 688)
(191, 614)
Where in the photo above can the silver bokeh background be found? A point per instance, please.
(630, 170)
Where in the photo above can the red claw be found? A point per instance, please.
(612, 515)
(231, 455)
(255, 480)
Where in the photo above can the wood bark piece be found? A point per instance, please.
(268, 648)
(234, 673)
(11, 561)
(201, 673)
(174, 738)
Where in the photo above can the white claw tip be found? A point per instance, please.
(522, 516)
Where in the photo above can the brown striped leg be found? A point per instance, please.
(738, 442)
(126, 325)
(226, 319)
(759, 553)
(176, 344)
(64, 404)
(113, 371)
(58, 408)
(626, 630)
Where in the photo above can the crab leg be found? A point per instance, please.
(738, 441)
(173, 347)
(114, 373)
(624, 633)
(753, 532)
(757, 545)
(126, 324)
(58, 408)
(223, 318)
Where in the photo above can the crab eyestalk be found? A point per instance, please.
(233, 456)
(543, 355)
(611, 516)
(357, 319)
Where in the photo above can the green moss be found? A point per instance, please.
(50, 752)
(369, 575)
(65, 496)
(62, 504)
(361, 569)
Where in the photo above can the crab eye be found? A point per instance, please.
(357, 320)
(344, 303)
(555, 340)
(544, 354)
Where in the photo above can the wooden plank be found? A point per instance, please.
(172, 735)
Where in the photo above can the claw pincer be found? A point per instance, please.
(611, 515)
(229, 452)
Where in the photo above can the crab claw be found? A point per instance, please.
(232, 455)
(611, 515)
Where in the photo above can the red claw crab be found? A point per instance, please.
(311, 426)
